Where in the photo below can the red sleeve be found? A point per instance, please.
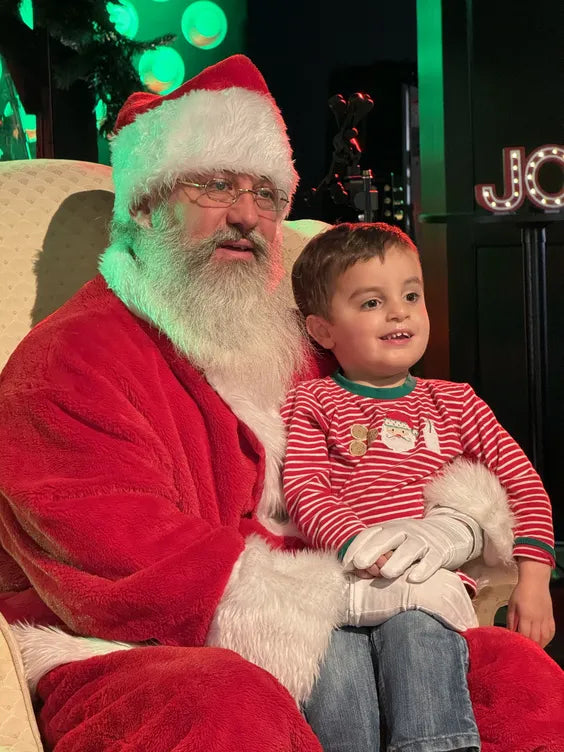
(325, 520)
(486, 440)
(90, 511)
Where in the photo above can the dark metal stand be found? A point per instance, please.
(533, 243)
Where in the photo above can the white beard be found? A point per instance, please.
(245, 338)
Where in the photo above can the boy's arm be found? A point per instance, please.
(530, 606)
(325, 520)
(484, 439)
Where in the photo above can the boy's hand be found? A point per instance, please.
(530, 607)
(374, 570)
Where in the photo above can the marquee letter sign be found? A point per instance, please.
(521, 180)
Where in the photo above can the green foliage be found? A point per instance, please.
(87, 47)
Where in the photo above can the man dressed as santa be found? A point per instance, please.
(141, 518)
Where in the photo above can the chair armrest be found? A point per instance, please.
(495, 585)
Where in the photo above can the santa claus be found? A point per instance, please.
(140, 453)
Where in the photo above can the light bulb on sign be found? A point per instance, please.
(204, 24)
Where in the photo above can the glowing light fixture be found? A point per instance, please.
(29, 123)
(124, 17)
(204, 24)
(161, 70)
(26, 13)
(101, 112)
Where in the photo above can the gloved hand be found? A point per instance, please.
(445, 538)
(443, 595)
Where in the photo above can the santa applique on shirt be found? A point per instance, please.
(398, 432)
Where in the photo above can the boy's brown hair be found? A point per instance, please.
(331, 253)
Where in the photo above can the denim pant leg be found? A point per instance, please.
(343, 707)
(422, 685)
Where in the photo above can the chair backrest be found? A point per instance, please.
(54, 219)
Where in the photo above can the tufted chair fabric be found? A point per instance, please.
(53, 226)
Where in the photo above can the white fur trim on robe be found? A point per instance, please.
(278, 611)
(471, 488)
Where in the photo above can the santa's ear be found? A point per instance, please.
(321, 331)
(141, 213)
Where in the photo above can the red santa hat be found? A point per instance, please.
(222, 119)
(398, 420)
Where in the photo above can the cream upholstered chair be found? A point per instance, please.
(54, 217)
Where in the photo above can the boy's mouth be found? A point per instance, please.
(397, 336)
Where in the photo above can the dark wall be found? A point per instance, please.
(301, 46)
(500, 85)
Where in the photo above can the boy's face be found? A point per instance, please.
(379, 325)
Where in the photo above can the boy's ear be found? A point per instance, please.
(320, 329)
(141, 213)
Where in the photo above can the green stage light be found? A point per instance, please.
(161, 70)
(204, 24)
(124, 17)
(101, 113)
(29, 123)
(26, 13)
(161, 1)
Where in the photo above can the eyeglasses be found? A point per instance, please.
(222, 191)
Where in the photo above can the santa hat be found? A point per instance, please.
(398, 419)
(222, 119)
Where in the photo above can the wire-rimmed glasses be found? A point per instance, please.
(222, 191)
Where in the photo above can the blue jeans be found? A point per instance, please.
(409, 673)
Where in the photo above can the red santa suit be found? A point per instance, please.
(129, 510)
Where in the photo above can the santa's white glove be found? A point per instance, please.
(443, 595)
(445, 538)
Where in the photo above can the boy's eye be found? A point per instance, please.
(412, 297)
(372, 303)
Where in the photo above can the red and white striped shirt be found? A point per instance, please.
(358, 456)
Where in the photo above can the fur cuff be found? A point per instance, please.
(278, 611)
(46, 648)
(472, 489)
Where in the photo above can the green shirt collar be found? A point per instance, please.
(377, 392)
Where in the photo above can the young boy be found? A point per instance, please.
(364, 442)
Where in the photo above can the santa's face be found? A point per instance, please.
(228, 313)
(397, 436)
(379, 327)
(234, 226)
